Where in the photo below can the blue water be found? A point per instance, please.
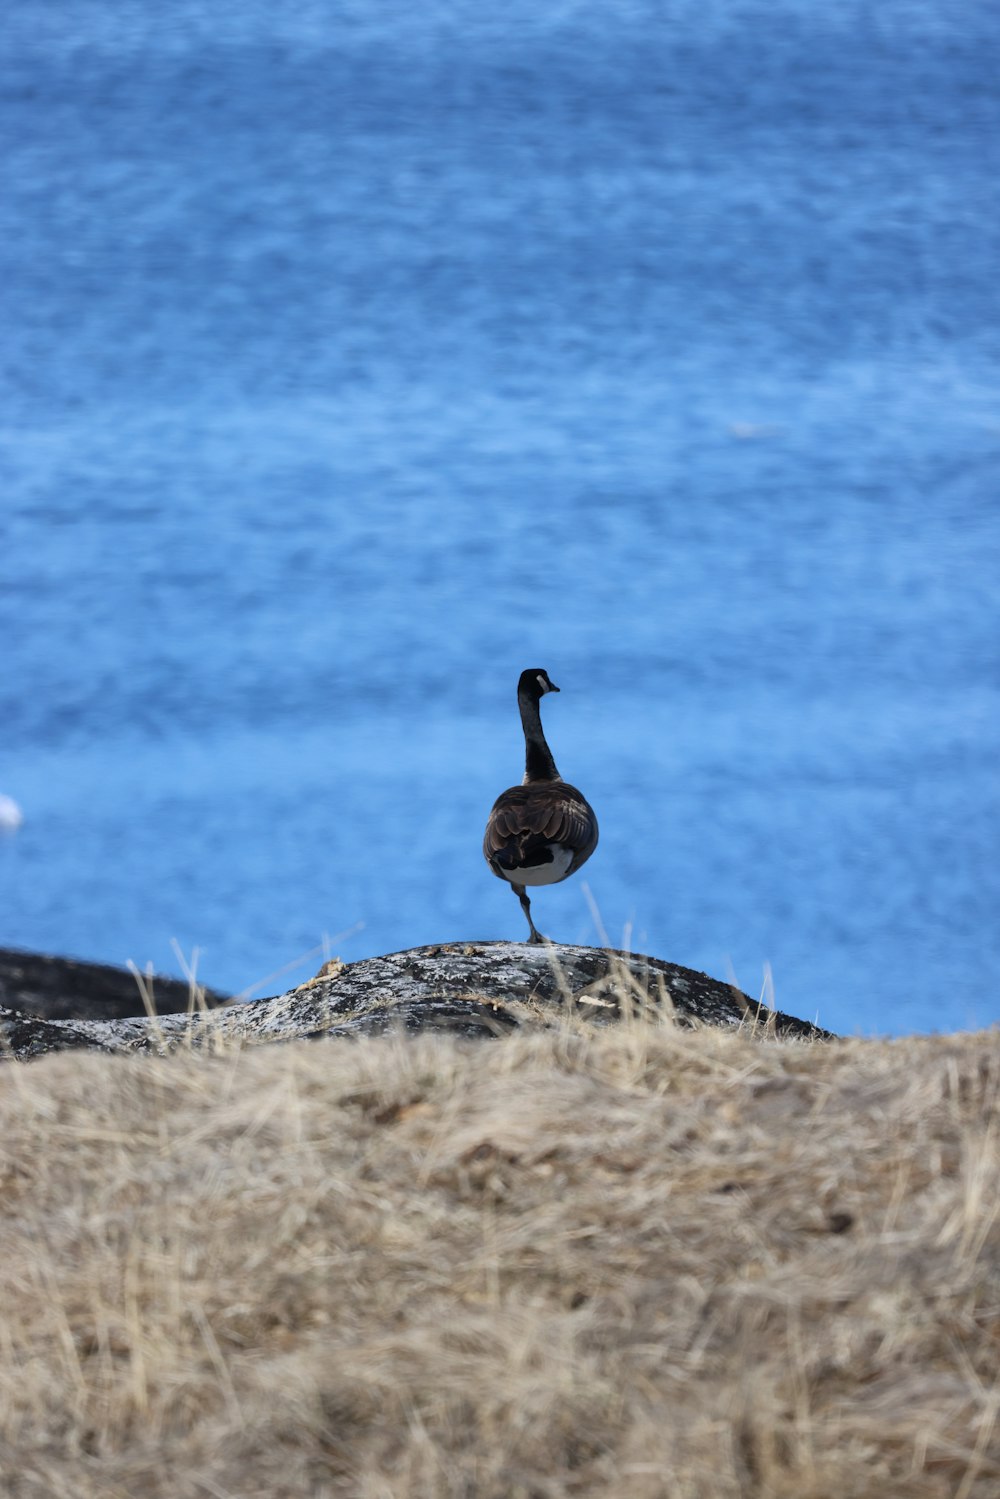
(356, 356)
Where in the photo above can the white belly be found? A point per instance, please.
(542, 874)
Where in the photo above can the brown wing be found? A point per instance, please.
(550, 811)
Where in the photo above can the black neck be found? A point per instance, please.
(538, 762)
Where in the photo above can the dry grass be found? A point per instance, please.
(643, 1262)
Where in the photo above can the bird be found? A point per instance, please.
(11, 816)
(542, 831)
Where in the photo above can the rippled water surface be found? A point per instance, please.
(355, 357)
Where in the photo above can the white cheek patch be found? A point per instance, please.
(542, 874)
(543, 684)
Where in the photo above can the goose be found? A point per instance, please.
(540, 832)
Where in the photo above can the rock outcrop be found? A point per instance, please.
(73, 989)
(475, 989)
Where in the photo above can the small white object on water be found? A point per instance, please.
(11, 816)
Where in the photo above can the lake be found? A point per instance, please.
(357, 356)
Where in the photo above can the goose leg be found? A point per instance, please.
(522, 895)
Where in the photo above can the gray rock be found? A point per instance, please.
(72, 989)
(479, 989)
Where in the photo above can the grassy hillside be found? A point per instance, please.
(641, 1262)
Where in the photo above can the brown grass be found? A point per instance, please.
(641, 1262)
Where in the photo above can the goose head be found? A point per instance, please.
(535, 683)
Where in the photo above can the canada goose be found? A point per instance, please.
(544, 829)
